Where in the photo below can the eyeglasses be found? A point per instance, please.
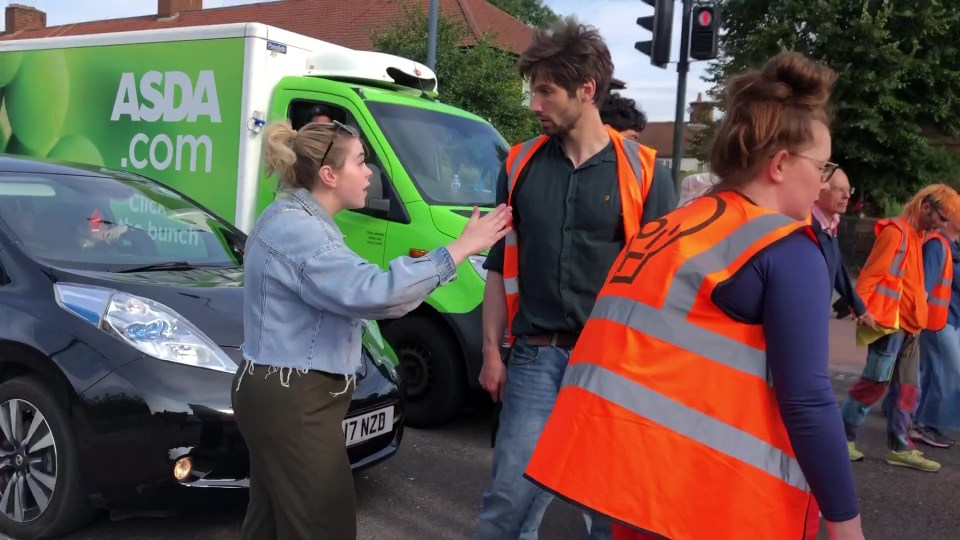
(338, 127)
(826, 170)
(844, 191)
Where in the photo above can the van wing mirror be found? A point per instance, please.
(375, 199)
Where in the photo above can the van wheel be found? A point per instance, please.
(41, 493)
(432, 370)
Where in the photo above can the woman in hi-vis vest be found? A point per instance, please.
(939, 408)
(697, 403)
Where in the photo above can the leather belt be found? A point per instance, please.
(565, 340)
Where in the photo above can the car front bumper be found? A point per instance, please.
(137, 422)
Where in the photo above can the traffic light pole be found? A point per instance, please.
(432, 35)
(683, 66)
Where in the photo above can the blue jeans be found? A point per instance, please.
(512, 507)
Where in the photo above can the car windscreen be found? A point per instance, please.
(111, 223)
(453, 160)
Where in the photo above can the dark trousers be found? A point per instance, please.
(301, 485)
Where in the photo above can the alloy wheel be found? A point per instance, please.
(28, 461)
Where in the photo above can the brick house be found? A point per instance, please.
(659, 136)
(319, 19)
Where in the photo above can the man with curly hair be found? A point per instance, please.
(622, 114)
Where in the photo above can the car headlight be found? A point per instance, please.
(147, 325)
(477, 262)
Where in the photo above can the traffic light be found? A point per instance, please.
(661, 25)
(705, 31)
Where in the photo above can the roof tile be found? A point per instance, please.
(328, 20)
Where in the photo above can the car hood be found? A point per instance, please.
(210, 298)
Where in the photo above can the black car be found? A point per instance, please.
(121, 321)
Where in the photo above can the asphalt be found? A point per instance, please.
(431, 489)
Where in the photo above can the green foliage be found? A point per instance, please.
(480, 78)
(898, 89)
(532, 12)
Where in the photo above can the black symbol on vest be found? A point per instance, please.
(657, 235)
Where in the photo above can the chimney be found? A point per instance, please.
(20, 18)
(169, 8)
(701, 112)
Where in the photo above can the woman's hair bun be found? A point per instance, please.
(788, 78)
(769, 109)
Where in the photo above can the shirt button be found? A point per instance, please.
(566, 228)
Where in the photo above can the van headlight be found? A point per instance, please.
(476, 261)
(149, 326)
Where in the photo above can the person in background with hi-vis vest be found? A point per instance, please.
(939, 406)
(892, 285)
(577, 193)
(697, 404)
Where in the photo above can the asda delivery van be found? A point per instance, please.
(187, 107)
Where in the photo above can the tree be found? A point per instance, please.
(531, 12)
(898, 92)
(479, 77)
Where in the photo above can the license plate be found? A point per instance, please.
(366, 426)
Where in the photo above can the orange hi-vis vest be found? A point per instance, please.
(882, 294)
(665, 420)
(635, 174)
(939, 300)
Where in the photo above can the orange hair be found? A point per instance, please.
(943, 197)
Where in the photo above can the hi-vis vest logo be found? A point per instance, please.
(654, 237)
(168, 97)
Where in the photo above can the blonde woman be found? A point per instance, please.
(306, 294)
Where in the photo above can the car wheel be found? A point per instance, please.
(432, 370)
(41, 493)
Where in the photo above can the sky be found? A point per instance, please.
(653, 88)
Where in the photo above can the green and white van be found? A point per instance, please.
(187, 107)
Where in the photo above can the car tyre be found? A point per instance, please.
(49, 447)
(432, 370)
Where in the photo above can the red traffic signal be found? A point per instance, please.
(704, 35)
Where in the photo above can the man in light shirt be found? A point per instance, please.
(832, 203)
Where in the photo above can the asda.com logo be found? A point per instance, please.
(152, 99)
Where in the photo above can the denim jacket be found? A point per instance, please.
(306, 293)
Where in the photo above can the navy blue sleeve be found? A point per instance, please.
(933, 258)
(846, 289)
(786, 288)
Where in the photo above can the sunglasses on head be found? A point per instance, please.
(338, 128)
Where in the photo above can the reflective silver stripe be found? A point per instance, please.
(510, 239)
(669, 324)
(946, 282)
(689, 277)
(514, 171)
(887, 291)
(940, 302)
(895, 266)
(690, 423)
(511, 285)
(632, 149)
(673, 328)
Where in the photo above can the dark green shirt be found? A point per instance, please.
(569, 226)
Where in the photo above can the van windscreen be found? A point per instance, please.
(454, 161)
